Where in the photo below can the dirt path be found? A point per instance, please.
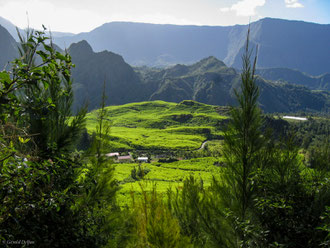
(203, 145)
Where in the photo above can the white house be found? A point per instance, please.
(142, 159)
(112, 154)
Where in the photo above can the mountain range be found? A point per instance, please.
(208, 80)
(281, 43)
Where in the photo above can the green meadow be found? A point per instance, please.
(160, 125)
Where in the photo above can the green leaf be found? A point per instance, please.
(48, 48)
(4, 77)
(60, 56)
(23, 141)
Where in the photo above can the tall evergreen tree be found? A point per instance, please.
(242, 145)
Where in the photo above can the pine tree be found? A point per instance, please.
(242, 145)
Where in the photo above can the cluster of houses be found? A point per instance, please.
(126, 158)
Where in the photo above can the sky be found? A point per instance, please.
(84, 15)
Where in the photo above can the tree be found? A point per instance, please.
(153, 223)
(243, 142)
(47, 97)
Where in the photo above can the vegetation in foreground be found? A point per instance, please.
(263, 196)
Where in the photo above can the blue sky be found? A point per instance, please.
(84, 15)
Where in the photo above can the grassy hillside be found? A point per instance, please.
(161, 125)
(164, 175)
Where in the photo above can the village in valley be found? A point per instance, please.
(126, 158)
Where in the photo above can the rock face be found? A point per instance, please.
(282, 43)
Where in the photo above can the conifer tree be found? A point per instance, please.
(242, 145)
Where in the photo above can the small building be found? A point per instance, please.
(112, 154)
(143, 159)
(124, 159)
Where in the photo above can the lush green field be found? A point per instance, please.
(164, 175)
(161, 125)
(156, 126)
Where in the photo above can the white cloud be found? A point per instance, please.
(293, 4)
(245, 7)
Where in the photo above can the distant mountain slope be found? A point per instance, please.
(290, 44)
(321, 82)
(8, 48)
(282, 43)
(93, 69)
(210, 81)
(11, 28)
(154, 44)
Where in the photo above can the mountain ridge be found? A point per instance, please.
(208, 81)
(282, 43)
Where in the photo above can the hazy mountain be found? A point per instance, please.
(282, 43)
(321, 82)
(11, 28)
(153, 44)
(8, 48)
(208, 81)
(290, 44)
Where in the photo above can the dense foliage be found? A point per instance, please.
(42, 198)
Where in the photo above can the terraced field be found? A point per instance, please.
(161, 125)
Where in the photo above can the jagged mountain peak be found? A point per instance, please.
(81, 46)
(210, 63)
